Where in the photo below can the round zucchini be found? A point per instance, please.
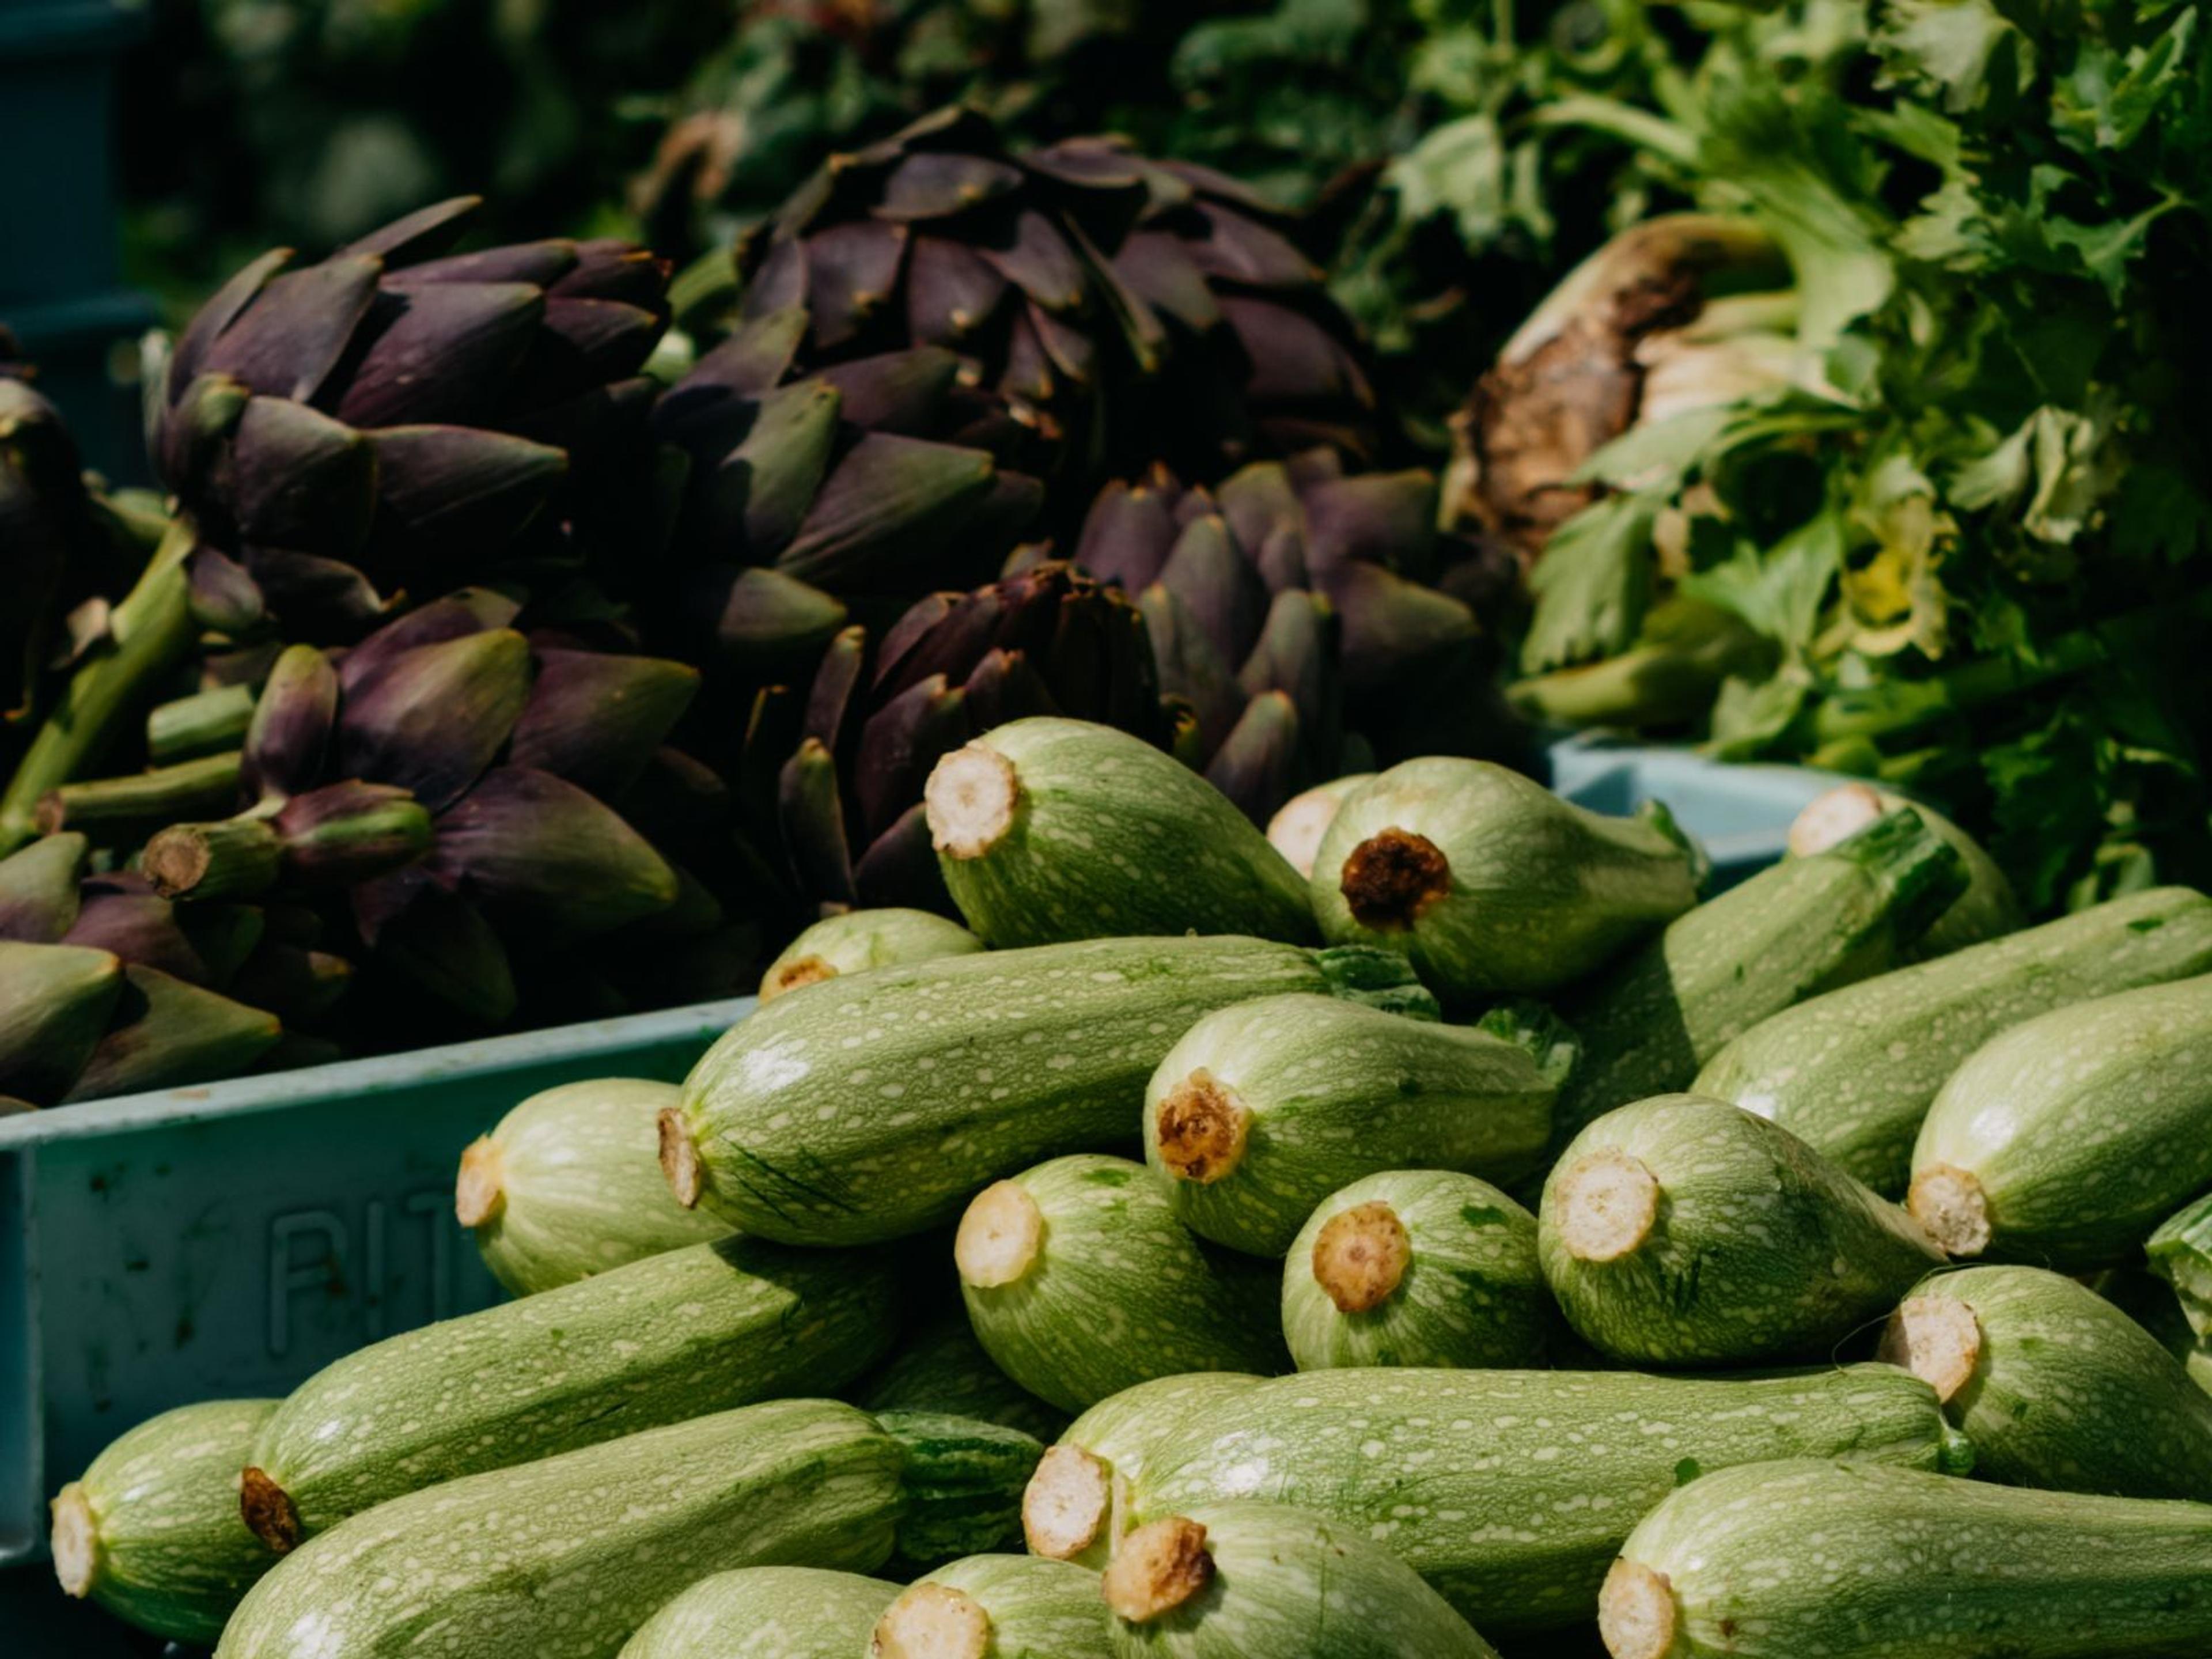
(1298, 826)
(766, 1612)
(996, 1607)
(860, 939)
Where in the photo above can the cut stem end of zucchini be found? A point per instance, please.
(1360, 1257)
(74, 1541)
(1392, 878)
(1636, 1612)
(999, 1237)
(1297, 830)
(1158, 1567)
(480, 1190)
(269, 1513)
(1835, 817)
(1936, 1338)
(1605, 1206)
(970, 801)
(932, 1621)
(1949, 1203)
(805, 970)
(1067, 1503)
(679, 1159)
(1203, 1127)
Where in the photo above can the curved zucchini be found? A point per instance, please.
(878, 1103)
(766, 1612)
(570, 1555)
(1853, 1073)
(996, 1607)
(1510, 1490)
(1792, 931)
(1490, 881)
(1073, 1507)
(570, 1185)
(150, 1531)
(2180, 1253)
(677, 1335)
(860, 939)
(1781, 1560)
(1263, 1110)
(963, 1483)
(1230, 1581)
(941, 1367)
(1416, 1267)
(2055, 1387)
(1080, 1282)
(1051, 829)
(2067, 1139)
(1297, 830)
(1988, 910)
(1683, 1231)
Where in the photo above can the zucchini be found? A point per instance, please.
(1073, 1509)
(1080, 1282)
(1791, 932)
(962, 1484)
(860, 939)
(766, 1612)
(1232, 1581)
(1685, 1231)
(2180, 1253)
(1490, 881)
(1852, 1074)
(569, 1555)
(1051, 829)
(2067, 1139)
(1299, 825)
(2055, 1387)
(1785, 1560)
(996, 1607)
(941, 1367)
(1264, 1109)
(570, 1185)
(877, 1104)
(1510, 1490)
(1988, 910)
(150, 1531)
(1416, 1267)
(677, 1335)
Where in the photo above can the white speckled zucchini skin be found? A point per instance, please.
(2180, 1253)
(875, 1105)
(2085, 1127)
(580, 1187)
(2070, 1394)
(565, 1558)
(1761, 1250)
(1111, 836)
(677, 1335)
(1510, 1490)
(1988, 910)
(1542, 892)
(1852, 1074)
(1290, 1584)
(169, 1554)
(766, 1612)
(939, 1366)
(1038, 1609)
(1472, 1295)
(1119, 1293)
(860, 939)
(1848, 1561)
(961, 1486)
(1792, 931)
(1335, 1091)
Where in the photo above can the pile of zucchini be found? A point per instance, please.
(1444, 1228)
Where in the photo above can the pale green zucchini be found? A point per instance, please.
(1080, 1283)
(941, 1367)
(150, 1531)
(1051, 829)
(1988, 910)
(1510, 1490)
(569, 1555)
(1852, 1074)
(1263, 1110)
(1297, 830)
(1787, 1560)
(1792, 931)
(1074, 1507)
(1490, 881)
(2180, 1253)
(995, 1607)
(1416, 1267)
(1235, 1581)
(2055, 1386)
(677, 1335)
(766, 1612)
(570, 1185)
(1685, 1231)
(2067, 1139)
(877, 1104)
(962, 1484)
(860, 939)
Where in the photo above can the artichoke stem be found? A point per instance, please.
(231, 857)
(206, 723)
(137, 801)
